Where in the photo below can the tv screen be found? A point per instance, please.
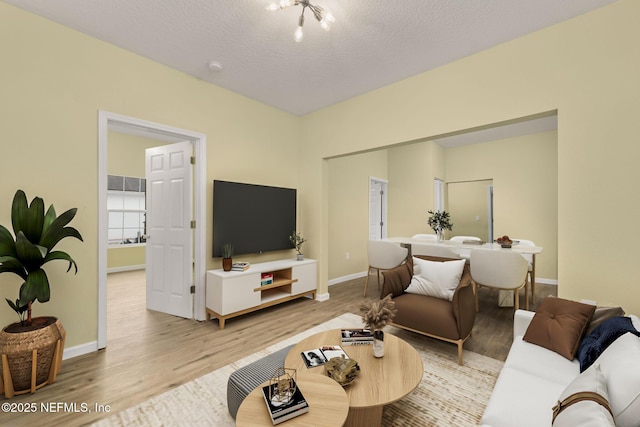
(254, 218)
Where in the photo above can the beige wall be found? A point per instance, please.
(586, 69)
(349, 209)
(525, 189)
(50, 128)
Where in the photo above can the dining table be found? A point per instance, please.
(464, 248)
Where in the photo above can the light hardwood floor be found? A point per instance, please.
(150, 352)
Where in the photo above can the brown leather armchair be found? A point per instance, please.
(449, 321)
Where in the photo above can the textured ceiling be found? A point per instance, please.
(372, 43)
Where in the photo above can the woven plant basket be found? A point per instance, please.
(18, 348)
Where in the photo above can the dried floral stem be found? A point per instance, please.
(378, 314)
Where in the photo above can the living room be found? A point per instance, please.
(54, 80)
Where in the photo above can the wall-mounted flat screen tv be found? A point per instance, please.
(254, 218)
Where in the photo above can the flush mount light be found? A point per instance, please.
(324, 17)
(214, 66)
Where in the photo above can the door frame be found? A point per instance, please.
(199, 142)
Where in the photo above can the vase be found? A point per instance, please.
(378, 343)
(226, 264)
(440, 235)
(300, 257)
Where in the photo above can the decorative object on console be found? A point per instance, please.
(227, 253)
(376, 315)
(440, 221)
(324, 17)
(297, 240)
(32, 348)
(341, 370)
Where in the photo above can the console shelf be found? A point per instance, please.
(233, 293)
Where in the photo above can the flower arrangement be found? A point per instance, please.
(378, 314)
(440, 221)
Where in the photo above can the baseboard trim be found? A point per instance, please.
(126, 268)
(322, 297)
(347, 278)
(547, 281)
(80, 350)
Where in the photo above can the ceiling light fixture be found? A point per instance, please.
(324, 17)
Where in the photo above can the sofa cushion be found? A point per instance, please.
(436, 279)
(522, 399)
(559, 324)
(584, 413)
(595, 343)
(542, 363)
(620, 364)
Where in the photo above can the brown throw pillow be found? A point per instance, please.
(397, 279)
(559, 324)
(601, 314)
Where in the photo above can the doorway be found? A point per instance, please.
(112, 121)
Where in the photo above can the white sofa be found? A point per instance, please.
(533, 379)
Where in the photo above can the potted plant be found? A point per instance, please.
(440, 221)
(36, 234)
(227, 253)
(297, 240)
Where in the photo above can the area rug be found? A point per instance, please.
(448, 395)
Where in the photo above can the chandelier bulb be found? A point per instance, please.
(328, 16)
(298, 35)
(325, 25)
(272, 7)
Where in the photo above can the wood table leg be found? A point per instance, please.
(364, 417)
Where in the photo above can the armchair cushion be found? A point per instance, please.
(436, 279)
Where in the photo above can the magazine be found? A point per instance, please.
(320, 356)
(356, 336)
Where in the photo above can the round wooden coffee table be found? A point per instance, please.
(381, 380)
(328, 404)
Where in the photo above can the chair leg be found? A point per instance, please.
(460, 342)
(366, 283)
(378, 281)
(526, 295)
(532, 279)
(516, 298)
(476, 288)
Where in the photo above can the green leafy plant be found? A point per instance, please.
(227, 250)
(297, 240)
(36, 234)
(440, 221)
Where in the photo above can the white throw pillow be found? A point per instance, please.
(435, 278)
(620, 364)
(586, 413)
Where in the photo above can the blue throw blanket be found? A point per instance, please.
(592, 346)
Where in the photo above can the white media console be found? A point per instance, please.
(233, 293)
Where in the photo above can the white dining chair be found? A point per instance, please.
(532, 266)
(432, 250)
(425, 236)
(383, 255)
(500, 270)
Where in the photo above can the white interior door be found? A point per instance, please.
(169, 250)
(377, 209)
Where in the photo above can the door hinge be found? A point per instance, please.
(193, 289)
(193, 160)
(193, 224)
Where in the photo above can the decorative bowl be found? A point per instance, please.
(343, 371)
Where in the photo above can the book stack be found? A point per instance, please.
(279, 411)
(357, 337)
(240, 266)
(266, 279)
